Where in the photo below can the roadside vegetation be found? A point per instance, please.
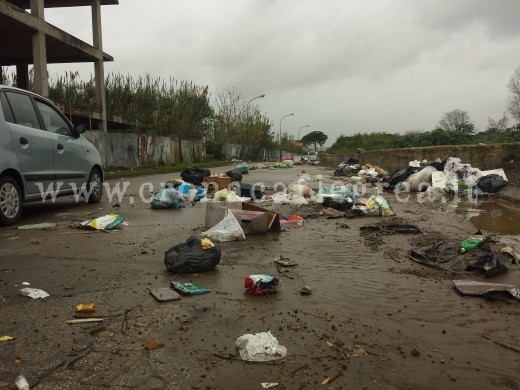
(179, 167)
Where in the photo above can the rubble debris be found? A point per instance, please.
(165, 294)
(260, 347)
(305, 290)
(194, 255)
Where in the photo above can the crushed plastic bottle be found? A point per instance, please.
(472, 242)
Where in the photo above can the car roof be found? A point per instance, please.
(18, 89)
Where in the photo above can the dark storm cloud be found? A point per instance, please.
(341, 66)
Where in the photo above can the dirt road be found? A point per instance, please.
(375, 319)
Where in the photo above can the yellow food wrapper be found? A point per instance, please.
(85, 308)
(206, 243)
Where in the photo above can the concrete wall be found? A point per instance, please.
(485, 156)
(128, 150)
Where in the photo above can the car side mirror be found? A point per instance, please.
(80, 129)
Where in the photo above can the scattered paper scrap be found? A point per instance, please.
(33, 293)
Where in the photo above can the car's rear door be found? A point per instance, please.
(70, 166)
(33, 145)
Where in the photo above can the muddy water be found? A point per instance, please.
(373, 298)
(493, 215)
(365, 294)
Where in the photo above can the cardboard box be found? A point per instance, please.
(253, 219)
(217, 183)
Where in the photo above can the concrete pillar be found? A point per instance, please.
(99, 68)
(22, 76)
(41, 81)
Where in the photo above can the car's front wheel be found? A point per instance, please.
(94, 187)
(10, 201)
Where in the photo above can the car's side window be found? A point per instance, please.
(23, 110)
(8, 114)
(54, 122)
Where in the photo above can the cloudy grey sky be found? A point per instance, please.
(341, 66)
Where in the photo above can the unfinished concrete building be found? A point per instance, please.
(26, 38)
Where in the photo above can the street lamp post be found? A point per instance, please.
(303, 127)
(247, 105)
(280, 138)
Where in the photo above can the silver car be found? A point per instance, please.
(42, 155)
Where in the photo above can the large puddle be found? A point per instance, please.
(497, 216)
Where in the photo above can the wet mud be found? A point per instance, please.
(374, 320)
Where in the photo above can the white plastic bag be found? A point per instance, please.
(226, 230)
(260, 347)
(421, 180)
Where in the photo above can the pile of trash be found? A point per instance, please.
(472, 255)
(176, 193)
(360, 174)
(448, 175)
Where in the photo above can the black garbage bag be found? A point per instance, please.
(352, 161)
(490, 264)
(195, 175)
(401, 175)
(446, 255)
(190, 257)
(491, 183)
(340, 204)
(248, 191)
(234, 175)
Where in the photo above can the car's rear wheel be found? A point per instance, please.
(94, 187)
(10, 201)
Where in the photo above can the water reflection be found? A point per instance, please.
(496, 216)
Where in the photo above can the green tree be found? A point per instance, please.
(315, 137)
(458, 125)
